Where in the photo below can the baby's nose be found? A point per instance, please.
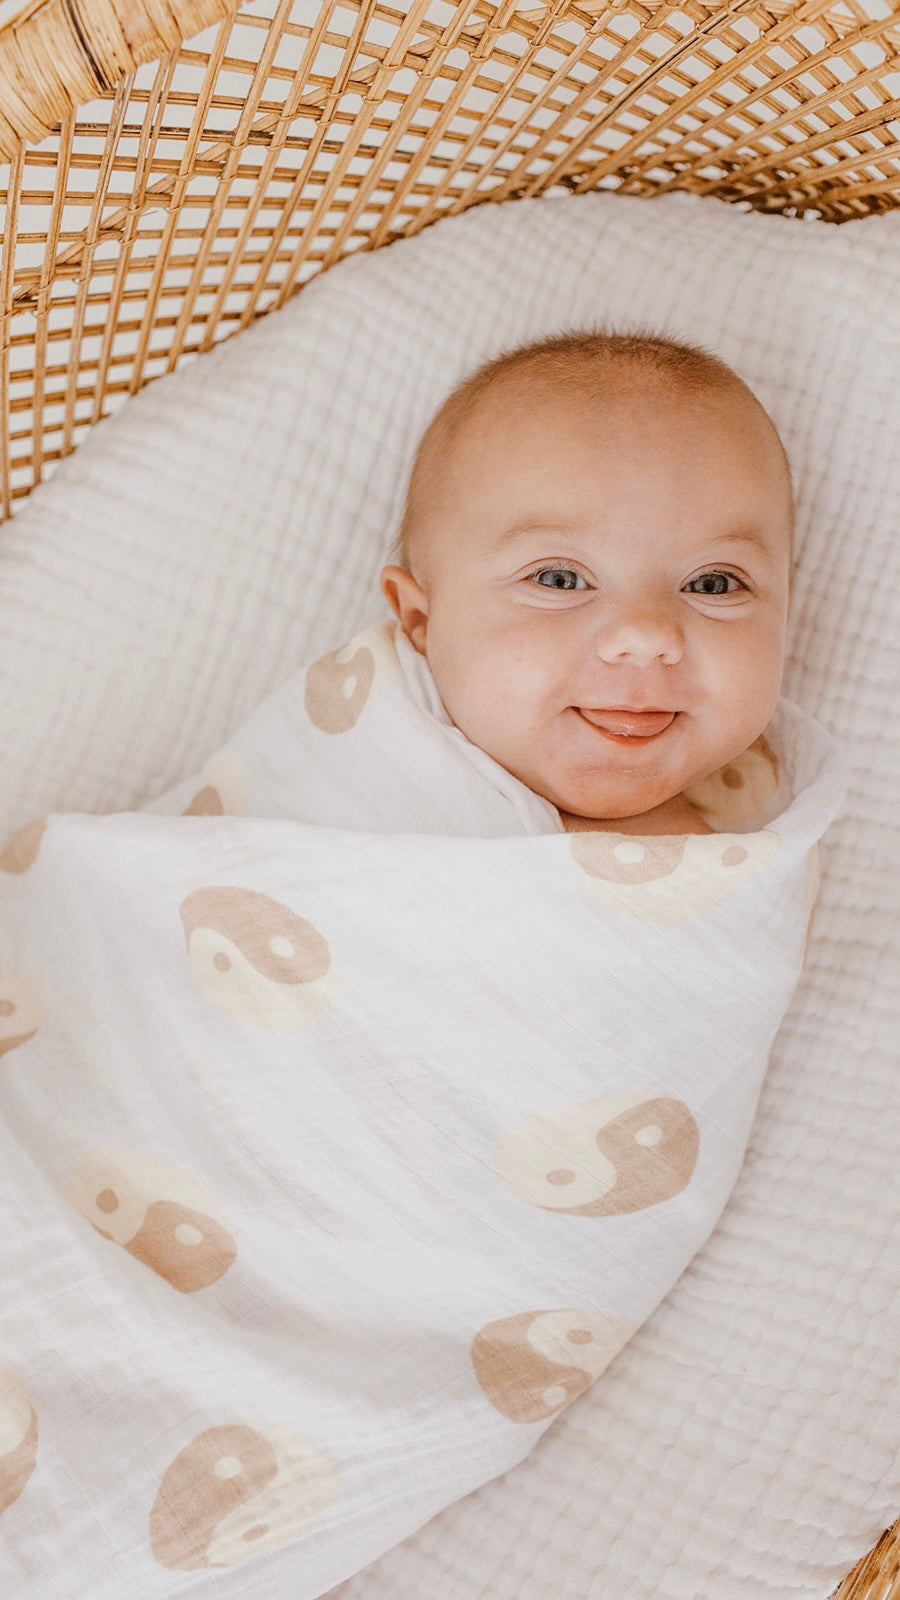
(639, 631)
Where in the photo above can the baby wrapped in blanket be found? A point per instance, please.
(363, 1095)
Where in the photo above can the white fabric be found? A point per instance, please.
(409, 770)
(230, 524)
(424, 1107)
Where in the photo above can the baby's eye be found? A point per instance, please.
(715, 583)
(558, 577)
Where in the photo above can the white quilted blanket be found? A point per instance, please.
(743, 1445)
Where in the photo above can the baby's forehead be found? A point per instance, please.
(604, 387)
(512, 418)
(537, 409)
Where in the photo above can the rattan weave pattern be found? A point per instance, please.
(160, 196)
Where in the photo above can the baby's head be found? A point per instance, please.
(600, 524)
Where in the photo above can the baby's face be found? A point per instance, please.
(586, 559)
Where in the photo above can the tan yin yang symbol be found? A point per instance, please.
(222, 793)
(21, 850)
(340, 685)
(602, 1158)
(256, 959)
(159, 1215)
(18, 1438)
(533, 1364)
(20, 1007)
(236, 1492)
(669, 878)
(20, 999)
(738, 792)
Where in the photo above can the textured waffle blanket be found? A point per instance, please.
(371, 1113)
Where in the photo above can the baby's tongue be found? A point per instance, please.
(643, 723)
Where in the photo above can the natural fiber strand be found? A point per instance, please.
(877, 1575)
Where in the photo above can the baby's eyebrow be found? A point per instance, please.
(520, 529)
(744, 536)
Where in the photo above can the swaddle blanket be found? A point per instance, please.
(354, 1116)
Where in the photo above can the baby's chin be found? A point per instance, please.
(608, 803)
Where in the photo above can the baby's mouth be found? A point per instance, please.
(623, 724)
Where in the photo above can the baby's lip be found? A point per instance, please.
(620, 719)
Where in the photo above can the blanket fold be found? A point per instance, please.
(353, 1117)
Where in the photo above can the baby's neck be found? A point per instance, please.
(673, 816)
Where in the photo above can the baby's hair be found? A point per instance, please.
(587, 361)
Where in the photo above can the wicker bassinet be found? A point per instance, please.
(161, 194)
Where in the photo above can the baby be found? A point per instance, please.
(595, 561)
(425, 1105)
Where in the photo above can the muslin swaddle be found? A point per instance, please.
(353, 1116)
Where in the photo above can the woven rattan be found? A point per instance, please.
(877, 1575)
(160, 195)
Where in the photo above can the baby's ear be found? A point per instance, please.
(409, 603)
